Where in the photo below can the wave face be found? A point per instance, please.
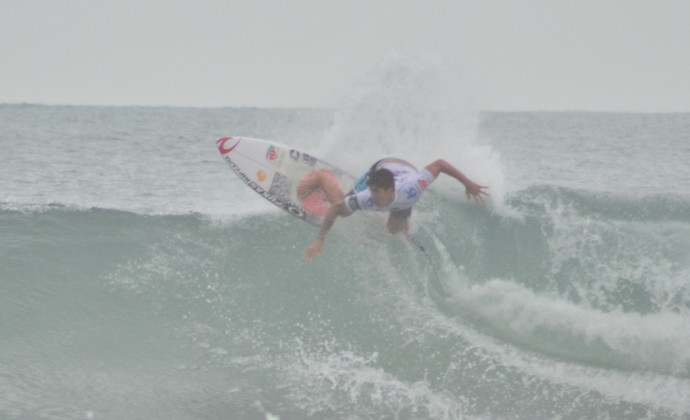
(564, 309)
(141, 279)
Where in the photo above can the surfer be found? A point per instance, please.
(391, 185)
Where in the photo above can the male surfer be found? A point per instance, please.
(391, 185)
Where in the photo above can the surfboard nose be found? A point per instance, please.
(223, 148)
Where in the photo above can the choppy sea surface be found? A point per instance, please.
(140, 278)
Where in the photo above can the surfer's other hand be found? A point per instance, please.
(313, 250)
(474, 190)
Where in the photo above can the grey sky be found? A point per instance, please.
(620, 55)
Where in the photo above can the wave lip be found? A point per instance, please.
(592, 278)
(657, 342)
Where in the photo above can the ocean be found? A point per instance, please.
(141, 279)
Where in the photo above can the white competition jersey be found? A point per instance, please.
(409, 186)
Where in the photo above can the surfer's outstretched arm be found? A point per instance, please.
(316, 247)
(472, 189)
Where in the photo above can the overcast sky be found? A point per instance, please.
(624, 55)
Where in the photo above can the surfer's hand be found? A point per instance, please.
(313, 250)
(473, 190)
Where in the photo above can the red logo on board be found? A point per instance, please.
(221, 144)
(271, 154)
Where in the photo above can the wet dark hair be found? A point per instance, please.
(382, 178)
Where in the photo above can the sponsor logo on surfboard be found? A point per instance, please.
(280, 186)
(273, 155)
(303, 157)
(284, 204)
(222, 144)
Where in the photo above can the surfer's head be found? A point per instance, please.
(382, 186)
(382, 178)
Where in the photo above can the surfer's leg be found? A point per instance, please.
(320, 179)
(398, 221)
(331, 186)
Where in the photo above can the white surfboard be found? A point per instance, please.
(275, 172)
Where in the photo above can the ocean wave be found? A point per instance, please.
(573, 278)
(569, 283)
(606, 205)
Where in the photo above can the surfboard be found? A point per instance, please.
(275, 172)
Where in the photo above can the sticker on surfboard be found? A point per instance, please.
(285, 176)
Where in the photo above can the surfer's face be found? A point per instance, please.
(382, 196)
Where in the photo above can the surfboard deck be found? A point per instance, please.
(275, 171)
